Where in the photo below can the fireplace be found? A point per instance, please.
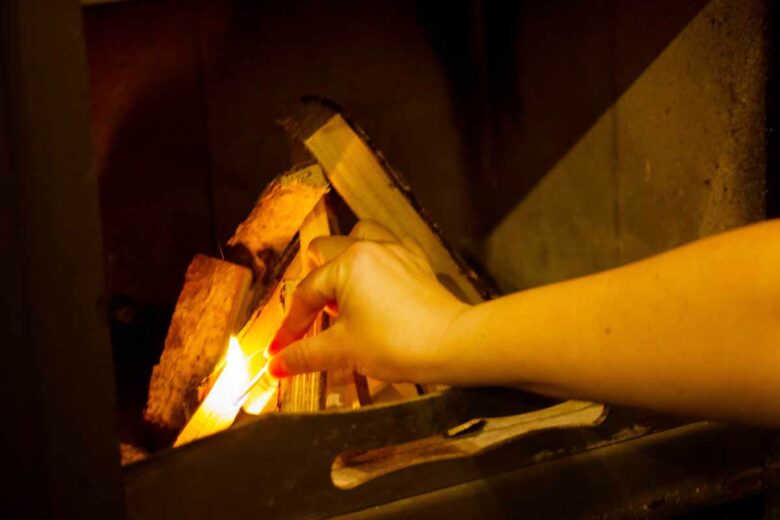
(138, 134)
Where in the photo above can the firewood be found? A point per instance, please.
(130, 453)
(382, 392)
(306, 392)
(256, 332)
(301, 392)
(275, 219)
(211, 306)
(205, 314)
(343, 390)
(374, 191)
(220, 407)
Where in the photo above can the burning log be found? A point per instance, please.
(220, 407)
(211, 306)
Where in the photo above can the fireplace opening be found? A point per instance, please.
(546, 141)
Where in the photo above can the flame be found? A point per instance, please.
(261, 393)
(220, 407)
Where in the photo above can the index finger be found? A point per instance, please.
(324, 249)
(314, 292)
(372, 230)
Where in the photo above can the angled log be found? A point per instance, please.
(278, 214)
(211, 306)
(214, 291)
(373, 190)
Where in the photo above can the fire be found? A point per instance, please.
(261, 393)
(220, 407)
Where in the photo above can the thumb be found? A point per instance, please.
(310, 354)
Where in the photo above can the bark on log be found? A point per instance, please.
(211, 306)
(373, 190)
(275, 219)
(208, 308)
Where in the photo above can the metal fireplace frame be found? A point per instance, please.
(59, 436)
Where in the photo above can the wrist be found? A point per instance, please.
(446, 362)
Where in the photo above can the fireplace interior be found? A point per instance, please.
(546, 140)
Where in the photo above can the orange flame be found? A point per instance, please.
(220, 407)
(261, 393)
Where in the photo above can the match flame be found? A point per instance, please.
(261, 393)
(220, 407)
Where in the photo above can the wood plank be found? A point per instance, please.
(259, 243)
(306, 392)
(381, 392)
(280, 210)
(342, 390)
(211, 306)
(374, 191)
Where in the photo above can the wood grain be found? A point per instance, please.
(276, 218)
(375, 192)
(211, 306)
(306, 392)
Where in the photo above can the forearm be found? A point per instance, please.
(693, 331)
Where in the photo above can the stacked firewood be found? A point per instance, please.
(243, 294)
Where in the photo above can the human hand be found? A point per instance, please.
(392, 312)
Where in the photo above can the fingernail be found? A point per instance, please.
(277, 369)
(275, 346)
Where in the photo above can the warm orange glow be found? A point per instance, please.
(261, 393)
(220, 407)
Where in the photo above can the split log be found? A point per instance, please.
(211, 306)
(280, 210)
(306, 392)
(207, 310)
(373, 190)
(218, 410)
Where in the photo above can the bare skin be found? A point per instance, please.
(694, 331)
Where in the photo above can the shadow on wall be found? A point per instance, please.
(483, 97)
(528, 79)
(150, 145)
